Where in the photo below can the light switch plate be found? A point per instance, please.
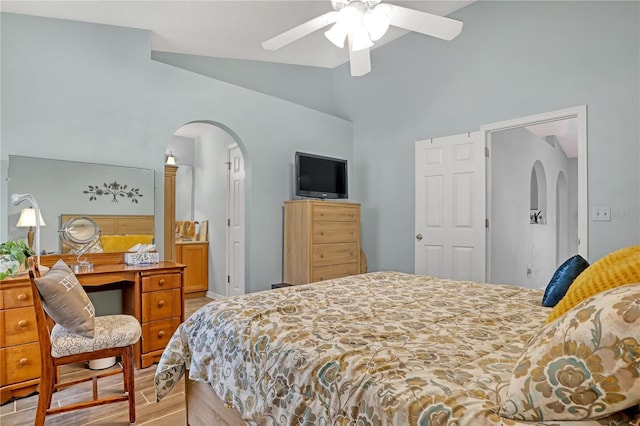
(602, 214)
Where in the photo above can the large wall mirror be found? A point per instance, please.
(74, 188)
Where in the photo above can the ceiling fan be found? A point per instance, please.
(362, 22)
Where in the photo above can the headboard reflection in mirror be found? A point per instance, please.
(68, 186)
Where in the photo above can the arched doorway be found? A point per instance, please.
(209, 190)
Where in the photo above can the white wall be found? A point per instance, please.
(210, 198)
(516, 244)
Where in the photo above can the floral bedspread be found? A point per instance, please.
(382, 348)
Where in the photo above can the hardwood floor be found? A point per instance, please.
(170, 411)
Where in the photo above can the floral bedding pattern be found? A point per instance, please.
(382, 348)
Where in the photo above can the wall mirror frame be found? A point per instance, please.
(70, 187)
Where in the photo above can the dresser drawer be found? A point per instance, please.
(322, 273)
(16, 297)
(156, 334)
(19, 363)
(335, 232)
(160, 282)
(18, 326)
(335, 213)
(157, 305)
(331, 254)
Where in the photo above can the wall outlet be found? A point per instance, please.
(602, 214)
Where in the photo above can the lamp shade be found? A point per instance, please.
(171, 160)
(28, 218)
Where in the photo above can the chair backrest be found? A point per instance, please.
(42, 319)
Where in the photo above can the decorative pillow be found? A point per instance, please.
(585, 365)
(122, 243)
(562, 279)
(615, 269)
(65, 300)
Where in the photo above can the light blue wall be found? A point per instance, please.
(512, 59)
(88, 92)
(308, 86)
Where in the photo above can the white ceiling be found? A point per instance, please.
(565, 131)
(225, 29)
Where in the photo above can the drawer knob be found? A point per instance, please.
(161, 303)
(24, 361)
(321, 256)
(321, 213)
(161, 334)
(22, 296)
(22, 323)
(321, 232)
(161, 282)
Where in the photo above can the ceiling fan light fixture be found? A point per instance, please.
(348, 17)
(376, 20)
(360, 38)
(336, 35)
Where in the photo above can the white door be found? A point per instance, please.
(450, 207)
(235, 223)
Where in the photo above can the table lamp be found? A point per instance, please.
(17, 199)
(28, 219)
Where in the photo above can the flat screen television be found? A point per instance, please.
(321, 177)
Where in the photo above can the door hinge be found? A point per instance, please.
(486, 151)
(228, 222)
(228, 279)
(228, 163)
(486, 223)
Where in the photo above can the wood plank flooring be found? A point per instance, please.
(169, 412)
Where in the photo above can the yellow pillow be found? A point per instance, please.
(120, 243)
(615, 269)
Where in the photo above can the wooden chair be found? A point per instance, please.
(104, 327)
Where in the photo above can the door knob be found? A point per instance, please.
(419, 237)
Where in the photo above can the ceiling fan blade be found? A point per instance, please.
(360, 61)
(425, 23)
(300, 31)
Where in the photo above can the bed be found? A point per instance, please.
(118, 233)
(382, 348)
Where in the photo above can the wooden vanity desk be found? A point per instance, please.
(151, 293)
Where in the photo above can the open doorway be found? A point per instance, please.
(536, 195)
(534, 201)
(453, 196)
(204, 200)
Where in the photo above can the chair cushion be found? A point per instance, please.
(110, 331)
(65, 300)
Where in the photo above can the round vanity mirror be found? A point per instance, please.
(80, 234)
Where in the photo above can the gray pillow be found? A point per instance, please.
(65, 300)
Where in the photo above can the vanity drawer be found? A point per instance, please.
(157, 305)
(156, 334)
(331, 254)
(335, 232)
(18, 326)
(322, 273)
(160, 282)
(16, 297)
(19, 363)
(344, 213)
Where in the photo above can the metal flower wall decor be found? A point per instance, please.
(115, 190)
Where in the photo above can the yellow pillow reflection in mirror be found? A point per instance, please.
(120, 243)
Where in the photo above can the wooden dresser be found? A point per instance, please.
(195, 255)
(151, 293)
(19, 347)
(321, 240)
